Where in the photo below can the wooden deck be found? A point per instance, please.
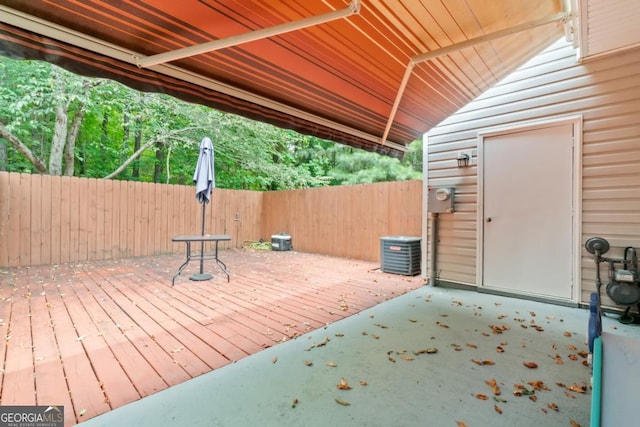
(95, 336)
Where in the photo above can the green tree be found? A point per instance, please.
(45, 106)
(361, 167)
(56, 122)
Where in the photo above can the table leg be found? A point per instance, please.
(173, 281)
(221, 264)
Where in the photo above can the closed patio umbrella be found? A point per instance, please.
(204, 178)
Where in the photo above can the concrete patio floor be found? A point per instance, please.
(384, 354)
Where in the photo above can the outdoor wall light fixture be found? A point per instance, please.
(463, 160)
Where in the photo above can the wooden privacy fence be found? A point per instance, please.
(50, 220)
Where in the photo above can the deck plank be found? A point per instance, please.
(83, 387)
(141, 330)
(117, 331)
(195, 338)
(115, 384)
(18, 385)
(109, 315)
(50, 376)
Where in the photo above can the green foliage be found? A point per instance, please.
(118, 122)
(361, 167)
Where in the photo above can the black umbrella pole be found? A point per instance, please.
(204, 204)
(202, 275)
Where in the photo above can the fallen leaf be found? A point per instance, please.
(472, 345)
(552, 406)
(498, 329)
(568, 334)
(343, 385)
(391, 359)
(483, 362)
(323, 343)
(413, 320)
(83, 412)
(498, 409)
(499, 349)
(375, 336)
(331, 364)
(308, 363)
(339, 334)
(407, 357)
(521, 390)
(574, 423)
(342, 402)
(275, 359)
(482, 396)
(461, 424)
(578, 388)
(499, 399)
(432, 350)
(294, 403)
(363, 383)
(538, 385)
(530, 365)
(533, 397)
(569, 395)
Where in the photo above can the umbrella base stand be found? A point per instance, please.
(200, 277)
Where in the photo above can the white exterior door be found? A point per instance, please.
(527, 212)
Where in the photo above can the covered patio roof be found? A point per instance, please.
(372, 74)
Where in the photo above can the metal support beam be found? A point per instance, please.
(488, 37)
(423, 57)
(161, 58)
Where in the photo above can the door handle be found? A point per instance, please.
(488, 219)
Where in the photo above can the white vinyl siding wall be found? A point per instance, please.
(609, 26)
(606, 93)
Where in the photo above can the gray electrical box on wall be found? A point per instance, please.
(440, 200)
